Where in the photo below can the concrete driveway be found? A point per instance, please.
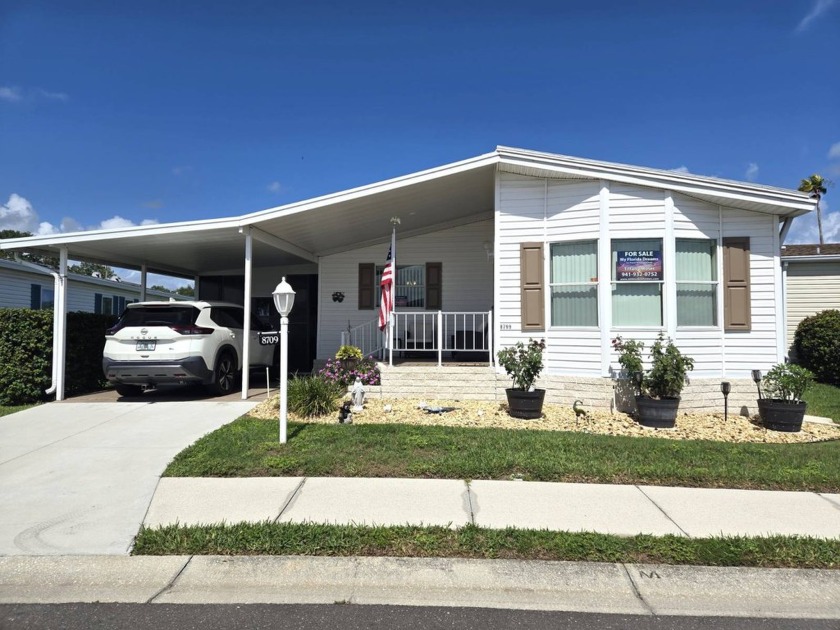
(78, 477)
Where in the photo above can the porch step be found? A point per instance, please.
(444, 383)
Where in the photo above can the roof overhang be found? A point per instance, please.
(454, 194)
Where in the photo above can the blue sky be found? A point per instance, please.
(119, 113)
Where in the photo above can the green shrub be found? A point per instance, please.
(817, 344)
(311, 396)
(26, 354)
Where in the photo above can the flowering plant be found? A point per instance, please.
(669, 367)
(523, 363)
(347, 371)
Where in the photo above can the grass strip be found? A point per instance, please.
(6, 410)
(476, 542)
(248, 447)
(823, 400)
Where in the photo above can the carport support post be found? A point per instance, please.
(61, 330)
(246, 331)
(143, 277)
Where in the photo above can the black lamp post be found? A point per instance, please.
(756, 376)
(725, 388)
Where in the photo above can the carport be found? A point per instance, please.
(289, 239)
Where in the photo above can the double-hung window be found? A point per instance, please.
(574, 284)
(637, 282)
(697, 285)
(410, 289)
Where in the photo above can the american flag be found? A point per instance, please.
(386, 285)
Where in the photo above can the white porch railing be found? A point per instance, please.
(367, 337)
(439, 332)
(436, 332)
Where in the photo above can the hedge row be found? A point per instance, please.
(26, 354)
(817, 344)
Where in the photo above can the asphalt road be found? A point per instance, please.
(352, 617)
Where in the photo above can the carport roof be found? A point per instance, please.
(453, 194)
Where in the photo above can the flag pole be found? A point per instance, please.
(395, 221)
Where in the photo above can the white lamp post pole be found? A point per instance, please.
(284, 299)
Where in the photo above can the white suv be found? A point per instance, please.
(180, 342)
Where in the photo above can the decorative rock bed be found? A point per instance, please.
(481, 414)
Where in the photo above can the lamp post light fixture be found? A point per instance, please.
(725, 388)
(284, 299)
(756, 377)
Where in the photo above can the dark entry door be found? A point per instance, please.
(303, 320)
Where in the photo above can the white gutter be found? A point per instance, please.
(56, 292)
(817, 258)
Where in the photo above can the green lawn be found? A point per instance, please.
(475, 542)
(6, 410)
(823, 400)
(248, 447)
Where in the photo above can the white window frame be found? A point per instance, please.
(614, 283)
(716, 283)
(551, 285)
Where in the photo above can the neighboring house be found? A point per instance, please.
(22, 286)
(812, 282)
(500, 248)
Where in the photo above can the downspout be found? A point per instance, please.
(56, 292)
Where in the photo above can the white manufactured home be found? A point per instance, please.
(811, 282)
(503, 247)
(30, 286)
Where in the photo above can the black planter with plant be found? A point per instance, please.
(657, 390)
(781, 406)
(524, 364)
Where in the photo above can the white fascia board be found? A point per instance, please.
(58, 240)
(816, 258)
(488, 159)
(780, 198)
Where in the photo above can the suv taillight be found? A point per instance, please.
(191, 329)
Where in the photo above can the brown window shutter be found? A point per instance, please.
(434, 286)
(736, 283)
(533, 287)
(367, 277)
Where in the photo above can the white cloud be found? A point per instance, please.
(275, 187)
(19, 214)
(53, 96)
(834, 151)
(752, 172)
(10, 94)
(681, 169)
(820, 7)
(14, 94)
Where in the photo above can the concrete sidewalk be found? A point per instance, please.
(622, 510)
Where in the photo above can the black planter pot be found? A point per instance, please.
(658, 413)
(526, 405)
(781, 415)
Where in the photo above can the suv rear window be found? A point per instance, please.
(159, 316)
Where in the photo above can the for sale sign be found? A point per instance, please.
(639, 265)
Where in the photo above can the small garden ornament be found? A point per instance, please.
(358, 395)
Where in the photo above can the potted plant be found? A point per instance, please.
(349, 356)
(658, 389)
(524, 364)
(781, 406)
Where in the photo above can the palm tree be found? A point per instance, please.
(815, 187)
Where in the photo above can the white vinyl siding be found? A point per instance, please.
(550, 211)
(467, 277)
(812, 287)
(529, 209)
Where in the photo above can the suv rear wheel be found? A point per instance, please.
(225, 375)
(128, 390)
